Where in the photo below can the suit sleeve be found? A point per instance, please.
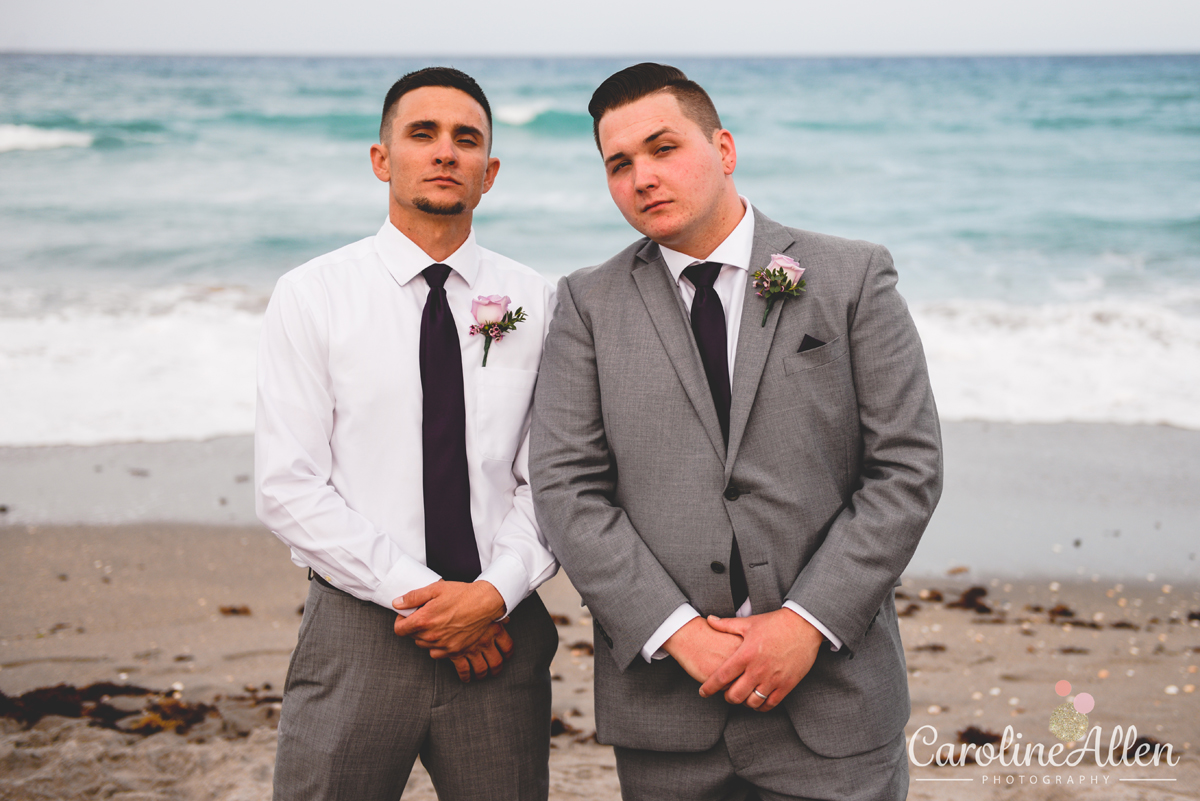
(871, 541)
(574, 483)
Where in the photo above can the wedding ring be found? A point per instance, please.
(760, 695)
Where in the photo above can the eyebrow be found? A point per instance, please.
(417, 125)
(468, 129)
(646, 141)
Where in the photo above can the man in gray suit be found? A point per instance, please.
(735, 503)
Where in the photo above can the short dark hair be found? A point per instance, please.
(634, 83)
(432, 76)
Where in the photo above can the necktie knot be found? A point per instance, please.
(703, 275)
(436, 275)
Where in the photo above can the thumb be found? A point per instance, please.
(728, 625)
(411, 600)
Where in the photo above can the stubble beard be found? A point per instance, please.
(429, 207)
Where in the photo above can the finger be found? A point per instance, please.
(725, 675)
(493, 658)
(479, 665)
(783, 688)
(774, 699)
(463, 667)
(419, 596)
(407, 626)
(438, 653)
(504, 642)
(740, 691)
(755, 701)
(729, 625)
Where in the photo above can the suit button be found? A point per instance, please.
(717, 567)
(732, 493)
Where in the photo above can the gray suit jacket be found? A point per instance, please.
(831, 473)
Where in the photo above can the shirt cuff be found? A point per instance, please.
(675, 621)
(509, 577)
(834, 642)
(405, 576)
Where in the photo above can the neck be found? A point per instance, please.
(716, 229)
(438, 235)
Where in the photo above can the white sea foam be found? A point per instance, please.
(173, 364)
(1083, 362)
(178, 363)
(521, 113)
(27, 137)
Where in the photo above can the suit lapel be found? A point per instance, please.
(754, 339)
(667, 313)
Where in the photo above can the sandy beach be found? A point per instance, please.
(125, 566)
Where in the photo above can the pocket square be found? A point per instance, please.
(808, 343)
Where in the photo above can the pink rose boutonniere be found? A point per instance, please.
(780, 279)
(493, 319)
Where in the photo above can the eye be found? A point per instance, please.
(664, 149)
(620, 165)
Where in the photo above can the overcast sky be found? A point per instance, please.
(615, 27)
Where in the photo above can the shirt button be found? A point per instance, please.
(732, 493)
(717, 567)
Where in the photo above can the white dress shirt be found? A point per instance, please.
(734, 254)
(338, 432)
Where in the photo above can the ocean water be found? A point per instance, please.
(1044, 214)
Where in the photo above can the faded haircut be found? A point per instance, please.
(633, 83)
(432, 76)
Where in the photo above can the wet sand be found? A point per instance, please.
(1052, 500)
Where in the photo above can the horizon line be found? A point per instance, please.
(602, 56)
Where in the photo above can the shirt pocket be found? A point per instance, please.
(502, 399)
(830, 352)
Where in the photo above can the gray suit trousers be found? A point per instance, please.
(760, 758)
(360, 704)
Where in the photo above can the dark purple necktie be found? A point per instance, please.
(450, 548)
(708, 325)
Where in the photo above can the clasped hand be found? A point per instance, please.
(457, 621)
(770, 653)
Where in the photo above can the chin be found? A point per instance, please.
(661, 231)
(444, 209)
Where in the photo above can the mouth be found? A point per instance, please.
(443, 180)
(655, 206)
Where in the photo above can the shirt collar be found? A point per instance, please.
(405, 260)
(734, 251)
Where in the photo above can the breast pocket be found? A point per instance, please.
(831, 352)
(502, 399)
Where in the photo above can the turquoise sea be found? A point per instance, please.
(1044, 214)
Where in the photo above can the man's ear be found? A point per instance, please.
(489, 175)
(380, 163)
(723, 142)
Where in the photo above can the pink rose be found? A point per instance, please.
(490, 308)
(788, 265)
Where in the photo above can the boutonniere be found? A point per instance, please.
(493, 319)
(780, 279)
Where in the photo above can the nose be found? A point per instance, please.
(644, 178)
(445, 154)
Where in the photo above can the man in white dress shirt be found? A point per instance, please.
(394, 464)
